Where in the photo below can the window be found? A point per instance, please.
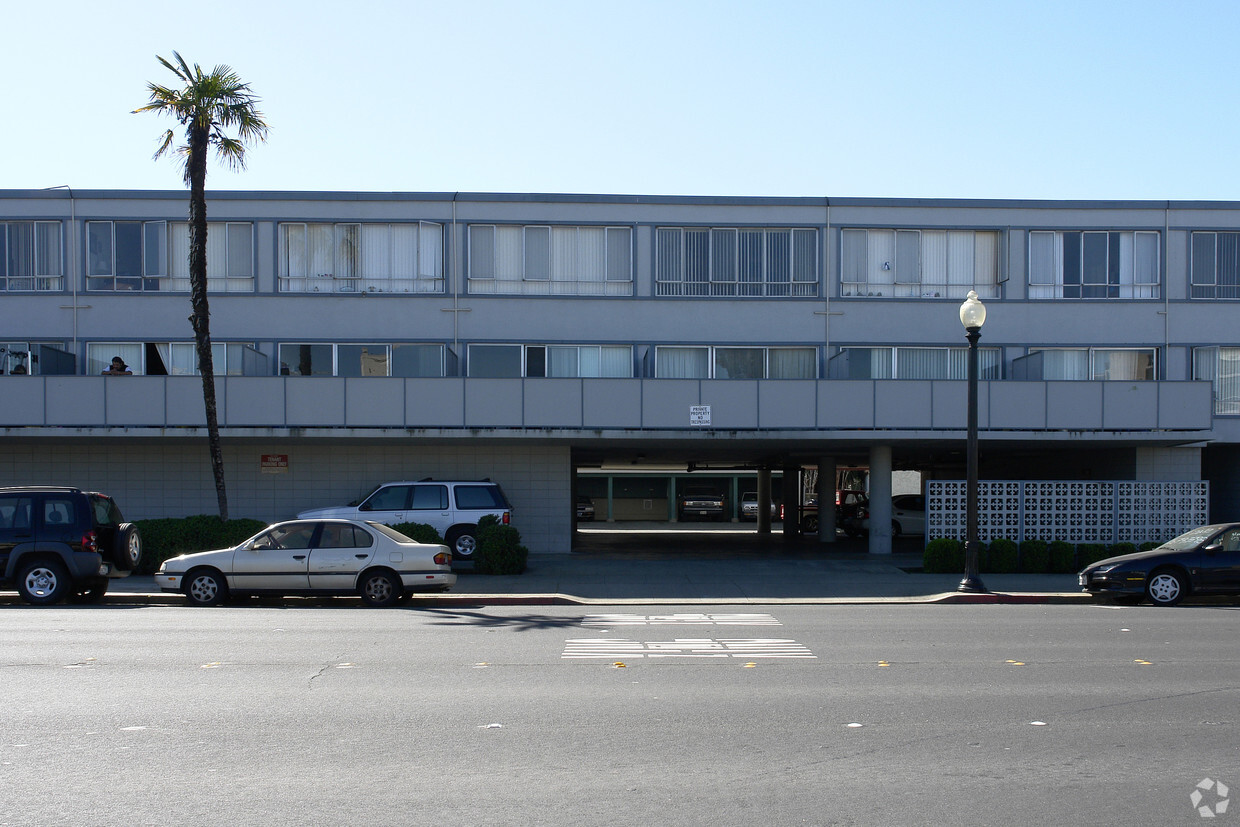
(174, 358)
(570, 361)
(1216, 266)
(361, 258)
(1093, 265)
(919, 263)
(154, 256)
(1098, 364)
(736, 362)
(914, 363)
(30, 256)
(551, 361)
(727, 261)
(352, 360)
(550, 260)
(1221, 366)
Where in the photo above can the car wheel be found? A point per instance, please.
(90, 590)
(463, 543)
(43, 582)
(895, 529)
(205, 587)
(810, 525)
(380, 589)
(1166, 587)
(127, 547)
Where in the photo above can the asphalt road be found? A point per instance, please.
(292, 713)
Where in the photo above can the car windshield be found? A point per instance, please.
(1191, 539)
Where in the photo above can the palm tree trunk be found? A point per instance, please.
(200, 319)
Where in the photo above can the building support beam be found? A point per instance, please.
(880, 499)
(826, 500)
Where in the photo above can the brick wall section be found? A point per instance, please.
(168, 478)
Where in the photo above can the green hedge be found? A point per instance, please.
(944, 555)
(419, 532)
(1000, 556)
(1035, 556)
(499, 548)
(1063, 557)
(170, 537)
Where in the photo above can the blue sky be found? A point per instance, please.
(1081, 99)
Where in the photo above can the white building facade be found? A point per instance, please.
(365, 337)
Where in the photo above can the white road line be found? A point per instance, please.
(602, 648)
(688, 618)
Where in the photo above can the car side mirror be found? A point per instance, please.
(1215, 546)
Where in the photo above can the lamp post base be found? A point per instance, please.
(971, 583)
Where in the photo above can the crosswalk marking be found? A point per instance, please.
(681, 619)
(603, 648)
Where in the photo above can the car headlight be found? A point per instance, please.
(1105, 569)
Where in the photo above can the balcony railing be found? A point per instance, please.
(253, 402)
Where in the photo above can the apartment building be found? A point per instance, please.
(532, 339)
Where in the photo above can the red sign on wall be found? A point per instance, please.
(273, 464)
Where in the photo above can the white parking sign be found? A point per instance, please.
(699, 416)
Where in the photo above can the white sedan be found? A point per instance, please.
(313, 557)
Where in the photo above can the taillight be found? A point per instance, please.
(781, 511)
(443, 558)
(90, 542)
(505, 519)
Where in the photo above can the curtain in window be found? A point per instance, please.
(615, 361)
(99, 356)
(749, 273)
(1065, 364)
(562, 362)
(376, 259)
(1227, 381)
(509, 253)
(1123, 365)
(668, 243)
(722, 261)
(591, 245)
(792, 363)
(922, 363)
(880, 254)
(1044, 259)
(682, 362)
(495, 361)
(934, 262)
(805, 256)
(985, 266)
(697, 262)
(47, 248)
(563, 254)
(880, 362)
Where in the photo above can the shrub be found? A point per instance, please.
(1116, 549)
(943, 555)
(419, 532)
(1000, 557)
(1063, 557)
(1148, 544)
(169, 537)
(499, 548)
(1035, 556)
(1087, 553)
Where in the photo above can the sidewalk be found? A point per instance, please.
(728, 565)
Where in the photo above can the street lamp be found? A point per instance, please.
(972, 316)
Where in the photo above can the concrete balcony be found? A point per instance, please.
(263, 404)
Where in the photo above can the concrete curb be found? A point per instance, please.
(556, 599)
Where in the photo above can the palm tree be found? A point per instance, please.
(206, 105)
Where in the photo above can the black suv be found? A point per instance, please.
(58, 543)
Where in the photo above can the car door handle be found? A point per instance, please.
(361, 556)
(299, 557)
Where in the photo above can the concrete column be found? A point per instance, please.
(764, 500)
(826, 500)
(792, 521)
(880, 499)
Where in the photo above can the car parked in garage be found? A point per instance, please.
(1205, 560)
(585, 508)
(908, 516)
(328, 557)
(58, 542)
(749, 507)
(701, 502)
(451, 507)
